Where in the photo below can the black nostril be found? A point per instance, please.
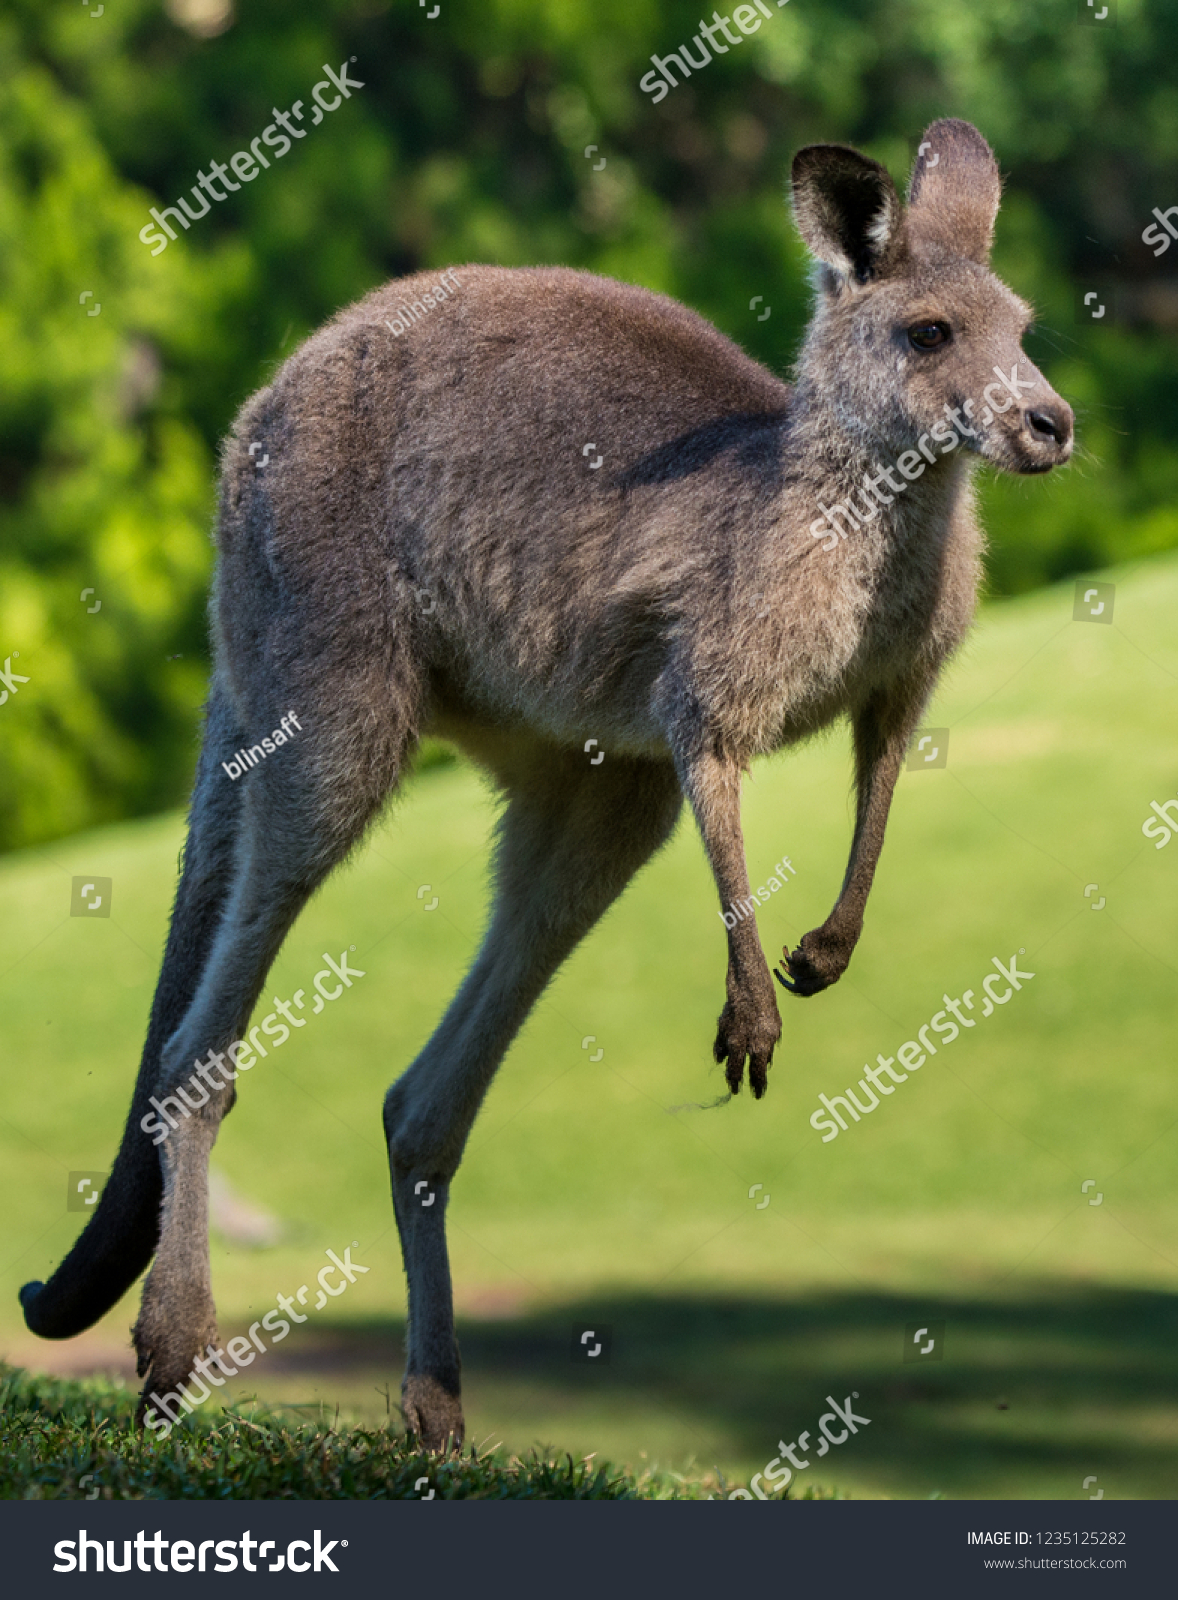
(1049, 424)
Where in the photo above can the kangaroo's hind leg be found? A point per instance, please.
(301, 811)
(570, 840)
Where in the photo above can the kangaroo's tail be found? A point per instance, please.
(120, 1238)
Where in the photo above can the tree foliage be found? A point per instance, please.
(467, 142)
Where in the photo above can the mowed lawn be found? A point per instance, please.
(742, 1268)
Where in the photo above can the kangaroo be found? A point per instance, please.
(540, 512)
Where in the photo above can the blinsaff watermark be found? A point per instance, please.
(407, 315)
(247, 759)
(742, 909)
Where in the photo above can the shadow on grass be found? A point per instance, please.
(1045, 1387)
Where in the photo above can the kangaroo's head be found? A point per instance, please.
(913, 336)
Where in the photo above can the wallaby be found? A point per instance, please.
(540, 513)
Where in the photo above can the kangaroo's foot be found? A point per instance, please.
(432, 1414)
(173, 1333)
(820, 960)
(749, 1028)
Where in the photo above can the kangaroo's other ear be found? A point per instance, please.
(954, 193)
(848, 211)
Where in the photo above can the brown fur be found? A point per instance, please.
(428, 550)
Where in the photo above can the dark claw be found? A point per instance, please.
(784, 982)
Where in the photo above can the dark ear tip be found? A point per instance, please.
(808, 158)
(814, 156)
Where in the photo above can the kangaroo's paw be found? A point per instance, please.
(747, 1031)
(818, 961)
(432, 1414)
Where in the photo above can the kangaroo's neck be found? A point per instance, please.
(867, 474)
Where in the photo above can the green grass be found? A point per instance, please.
(595, 1193)
(69, 1441)
(63, 1440)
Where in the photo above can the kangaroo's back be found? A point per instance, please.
(478, 411)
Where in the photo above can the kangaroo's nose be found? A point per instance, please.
(1052, 423)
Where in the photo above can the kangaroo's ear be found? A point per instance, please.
(954, 193)
(848, 211)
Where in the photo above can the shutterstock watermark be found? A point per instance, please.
(1164, 825)
(778, 1474)
(181, 1555)
(245, 1351)
(10, 679)
(660, 83)
(243, 1055)
(912, 463)
(912, 1054)
(1163, 236)
(247, 164)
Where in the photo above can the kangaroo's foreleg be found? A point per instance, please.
(570, 840)
(882, 728)
(749, 1025)
(119, 1238)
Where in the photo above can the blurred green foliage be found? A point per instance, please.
(467, 142)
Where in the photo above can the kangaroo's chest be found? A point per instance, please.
(884, 606)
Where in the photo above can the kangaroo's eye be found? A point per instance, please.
(928, 335)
